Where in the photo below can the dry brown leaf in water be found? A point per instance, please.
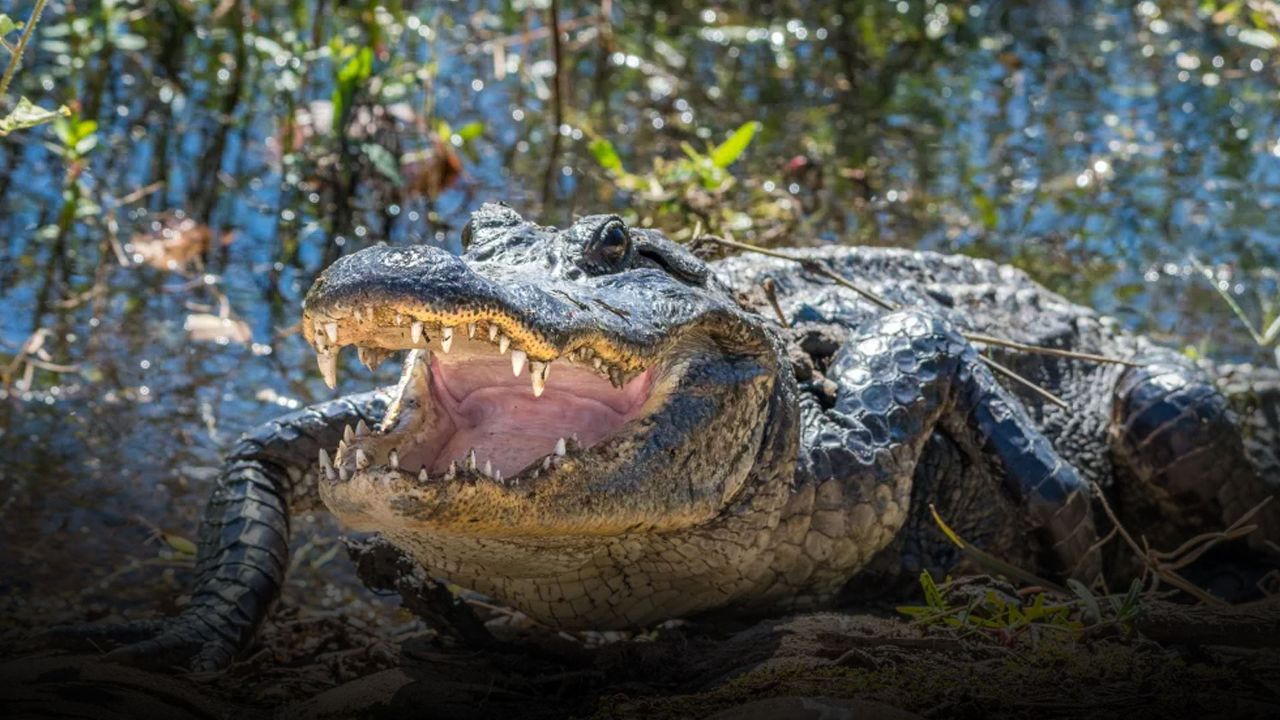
(208, 327)
(175, 243)
(430, 172)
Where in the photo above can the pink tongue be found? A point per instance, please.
(496, 413)
(512, 429)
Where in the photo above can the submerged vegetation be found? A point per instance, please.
(24, 113)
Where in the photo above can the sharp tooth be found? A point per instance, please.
(597, 362)
(325, 465)
(331, 329)
(446, 338)
(488, 468)
(415, 332)
(369, 357)
(560, 447)
(328, 363)
(452, 472)
(344, 473)
(471, 460)
(546, 462)
(423, 476)
(362, 428)
(399, 319)
(538, 376)
(504, 342)
(414, 378)
(393, 459)
(498, 476)
(615, 377)
(348, 434)
(471, 330)
(362, 460)
(517, 361)
(493, 332)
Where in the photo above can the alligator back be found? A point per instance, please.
(975, 295)
(979, 296)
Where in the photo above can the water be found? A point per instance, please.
(1095, 144)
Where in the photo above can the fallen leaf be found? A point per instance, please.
(207, 327)
(175, 243)
(430, 172)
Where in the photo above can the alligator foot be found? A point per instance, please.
(382, 566)
(188, 641)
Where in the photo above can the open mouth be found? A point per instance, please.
(473, 404)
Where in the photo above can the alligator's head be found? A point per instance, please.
(559, 383)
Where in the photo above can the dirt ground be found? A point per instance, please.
(1158, 660)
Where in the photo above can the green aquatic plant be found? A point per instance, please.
(1266, 333)
(986, 609)
(76, 138)
(682, 192)
(1256, 22)
(25, 114)
(707, 170)
(990, 611)
(353, 66)
(974, 609)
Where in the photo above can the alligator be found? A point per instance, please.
(599, 428)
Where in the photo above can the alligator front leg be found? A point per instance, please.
(904, 377)
(244, 539)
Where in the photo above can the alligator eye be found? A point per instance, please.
(466, 234)
(610, 246)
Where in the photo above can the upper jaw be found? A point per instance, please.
(378, 330)
(389, 298)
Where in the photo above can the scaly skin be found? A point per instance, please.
(769, 467)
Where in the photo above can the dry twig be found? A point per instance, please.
(1168, 572)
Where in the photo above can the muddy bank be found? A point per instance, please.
(1206, 663)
